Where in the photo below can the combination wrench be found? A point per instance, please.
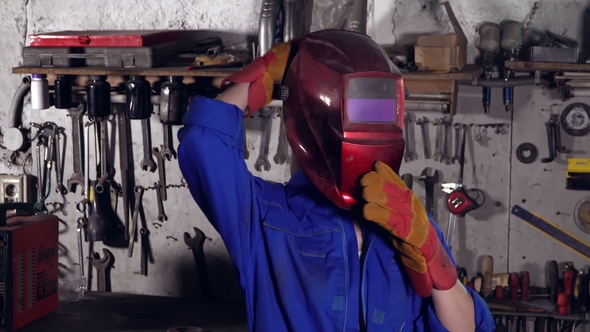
(279, 157)
(437, 144)
(159, 154)
(147, 163)
(59, 171)
(100, 185)
(446, 123)
(139, 190)
(77, 177)
(457, 156)
(265, 127)
(161, 214)
(409, 154)
(423, 123)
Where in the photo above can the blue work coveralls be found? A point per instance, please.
(296, 253)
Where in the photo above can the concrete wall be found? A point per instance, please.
(492, 168)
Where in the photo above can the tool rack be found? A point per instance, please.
(520, 321)
(116, 74)
(434, 82)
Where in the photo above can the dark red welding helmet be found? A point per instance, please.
(344, 111)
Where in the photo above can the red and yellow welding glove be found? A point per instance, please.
(264, 73)
(397, 209)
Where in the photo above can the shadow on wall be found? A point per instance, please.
(222, 277)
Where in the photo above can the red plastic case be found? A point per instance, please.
(103, 38)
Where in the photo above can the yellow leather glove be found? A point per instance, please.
(397, 209)
(263, 74)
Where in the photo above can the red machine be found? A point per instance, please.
(28, 265)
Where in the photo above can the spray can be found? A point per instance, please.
(173, 101)
(139, 98)
(63, 92)
(99, 96)
(39, 92)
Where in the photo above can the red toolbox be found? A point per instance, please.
(103, 38)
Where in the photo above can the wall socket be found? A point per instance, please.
(17, 188)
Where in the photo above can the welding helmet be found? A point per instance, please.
(343, 112)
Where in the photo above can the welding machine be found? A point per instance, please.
(28, 265)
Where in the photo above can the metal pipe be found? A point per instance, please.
(502, 83)
(16, 107)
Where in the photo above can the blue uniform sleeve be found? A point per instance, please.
(211, 160)
(484, 321)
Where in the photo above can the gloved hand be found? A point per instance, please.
(264, 73)
(397, 209)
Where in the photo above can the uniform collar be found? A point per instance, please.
(302, 195)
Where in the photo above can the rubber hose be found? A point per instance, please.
(46, 194)
(16, 108)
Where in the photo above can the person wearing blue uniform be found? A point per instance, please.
(344, 245)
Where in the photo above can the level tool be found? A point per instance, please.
(554, 231)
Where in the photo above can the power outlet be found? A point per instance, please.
(17, 188)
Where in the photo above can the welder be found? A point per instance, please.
(344, 245)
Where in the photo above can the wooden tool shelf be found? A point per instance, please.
(116, 75)
(433, 82)
(530, 66)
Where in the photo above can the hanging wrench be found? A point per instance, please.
(59, 171)
(279, 157)
(409, 154)
(161, 215)
(144, 233)
(457, 156)
(147, 163)
(196, 245)
(139, 190)
(245, 148)
(161, 171)
(446, 123)
(265, 127)
(102, 266)
(77, 177)
(100, 185)
(437, 145)
(423, 123)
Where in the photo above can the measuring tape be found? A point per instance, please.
(555, 232)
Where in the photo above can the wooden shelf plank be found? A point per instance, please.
(547, 66)
(470, 72)
(161, 71)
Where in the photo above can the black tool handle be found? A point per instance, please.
(550, 143)
(22, 209)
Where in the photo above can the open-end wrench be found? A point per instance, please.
(77, 177)
(423, 123)
(457, 156)
(279, 157)
(147, 163)
(139, 190)
(196, 245)
(409, 153)
(168, 151)
(59, 171)
(162, 172)
(161, 214)
(429, 181)
(100, 184)
(437, 145)
(446, 123)
(245, 148)
(265, 127)
(102, 266)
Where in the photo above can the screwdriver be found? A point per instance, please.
(569, 275)
(462, 275)
(553, 274)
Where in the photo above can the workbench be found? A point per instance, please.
(531, 66)
(106, 312)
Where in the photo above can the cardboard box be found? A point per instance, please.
(442, 52)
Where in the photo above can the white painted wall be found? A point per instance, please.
(489, 230)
